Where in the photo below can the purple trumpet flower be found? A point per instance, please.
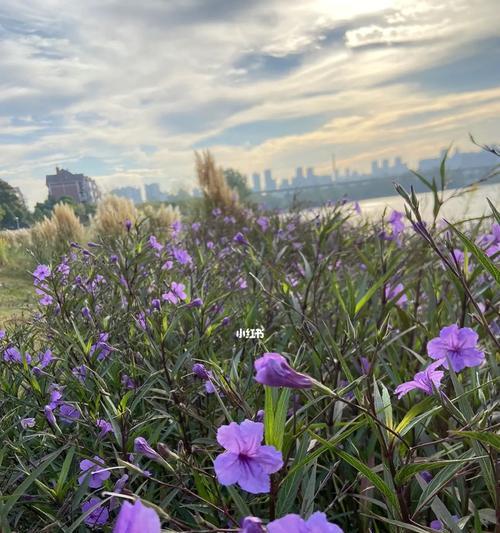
(456, 346)
(95, 469)
(293, 523)
(142, 446)
(273, 370)
(428, 381)
(137, 518)
(245, 460)
(99, 516)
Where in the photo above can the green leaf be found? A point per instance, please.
(379, 483)
(23, 487)
(481, 257)
(486, 438)
(63, 474)
(374, 288)
(441, 479)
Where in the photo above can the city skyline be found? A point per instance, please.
(66, 183)
(126, 92)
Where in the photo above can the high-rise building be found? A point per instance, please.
(256, 181)
(310, 173)
(385, 167)
(132, 193)
(270, 183)
(375, 169)
(154, 193)
(81, 188)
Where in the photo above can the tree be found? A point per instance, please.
(237, 181)
(15, 212)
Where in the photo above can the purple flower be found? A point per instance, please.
(252, 524)
(118, 488)
(259, 416)
(200, 371)
(428, 380)
(104, 426)
(142, 446)
(69, 413)
(49, 415)
(46, 300)
(13, 355)
(63, 269)
(41, 272)
(492, 240)
(393, 291)
(55, 396)
(27, 423)
(197, 302)
(86, 313)
(101, 347)
(175, 293)
(80, 372)
(456, 346)
(245, 460)
(293, 523)
(437, 525)
(357, 208)
(195, 226)
(95, 470)
(182, 257)
(241, 283)
(273, 370)
(99, 516)
(128, 225)
(426, 475)
(167, 265)
(153, 242)
(263, 223)
(240, 238)
(396, 222)
(45, 359)
(137, 518)
(128, 382)
(2, 334)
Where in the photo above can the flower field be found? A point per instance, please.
(256, 371)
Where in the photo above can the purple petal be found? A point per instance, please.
(227, 468)
(269, 458)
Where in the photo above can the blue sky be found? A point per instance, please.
(125, 91)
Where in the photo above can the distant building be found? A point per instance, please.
(270, 183)
(132, 193)
(310, 173)
(81, 188)
(375, 169)
(154, 193)
(256, 181)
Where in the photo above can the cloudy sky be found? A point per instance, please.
(126, 90)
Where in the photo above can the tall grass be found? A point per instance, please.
(111, 216)
(51, 236)
(213, 184)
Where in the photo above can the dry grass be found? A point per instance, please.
(159, 220)
(111, 215)
(53, 235)
(213, 183)
(16, 238)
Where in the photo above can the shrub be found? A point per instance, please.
(256, 368)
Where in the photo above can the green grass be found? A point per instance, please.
(16, 289)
